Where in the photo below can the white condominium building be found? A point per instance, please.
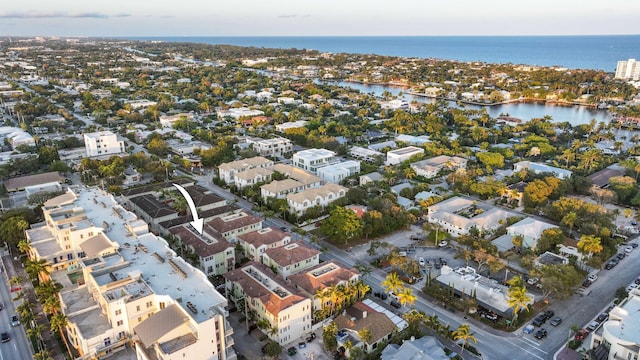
(628, 70)
(312, 159)
(103, 143)
(133, 290)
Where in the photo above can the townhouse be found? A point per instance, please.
(215, 255)
(291, 258)
(227, 171)
(234, 225)
(322, 196)
(430, 168)
(283, 313)
(255, 243)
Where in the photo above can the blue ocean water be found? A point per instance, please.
(599, 52)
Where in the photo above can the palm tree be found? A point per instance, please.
(518, 299)
(589, 244)
(392, 283)
(406, 296)
(36, 268)
(433, 323)
(464, 333)
(59, 322)
(570, 220)
(415, 320)
(365, 335)
(24, 246)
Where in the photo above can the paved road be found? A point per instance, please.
(17, 348)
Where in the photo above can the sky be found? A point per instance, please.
(317, 18)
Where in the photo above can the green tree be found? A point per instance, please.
(570, 220)
(158, 147)
(559, 281)
(491, 160)
(624, 187)
(342, 225)
(59, 322)
(329, 334)
(392, 283)
(549, 240)
(463, 332)
(518, 298)
(589, 244)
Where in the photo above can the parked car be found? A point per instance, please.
(540, 334)
(396, 304)
(555, 321)
(621, 256)
(310, 337)
(302, 345)
(602, 317)
(539, 320)
(628, 249)
(586, 283)
(532, 281)
(611, 264)
(634, 245)
(637, 281)
(593, 325)
(592, 278)
(422, 262)
(381, 295)
(549, 314)
(292, 351)
(581, 334)
(443, 243)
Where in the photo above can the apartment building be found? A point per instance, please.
(291, 258)
(215, 254)
(257, 242)
(397, 156)
(286, 311)
(275, 147)
(227, 171)
(628, 70)
(322, 196)
(234, 225)
(132, 291)
(312, 159)
(540, 168)
(103, 143)
(252, 177)
(337, 172)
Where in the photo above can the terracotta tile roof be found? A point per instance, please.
(254, 289)
(322, 276)
(231, 222)
(266, 236)
(201, 247)
(365, 317)
(292, 253)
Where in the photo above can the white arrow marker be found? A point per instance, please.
(196, 223)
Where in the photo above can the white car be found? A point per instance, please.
(592, 277)
(628, 249)
(533, 281)
(421, 261)
(443, 243)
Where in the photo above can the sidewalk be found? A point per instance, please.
(14, 268)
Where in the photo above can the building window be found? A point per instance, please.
(149, 304)
(137, 307)
(119, 323)
(118, 312)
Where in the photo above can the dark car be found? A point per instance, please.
(602, 317)
(610, 265)
(302, 345)
(4, 337)
(539, 320)
(283, 228)
(381, 295)
(292, 351)
(396, 304)
(555, 321)
(621, 256)
(634, 245)
(549, 314)
(540, 334)
(264, 349)
(1, 306)
(586, 283)
(311, 337)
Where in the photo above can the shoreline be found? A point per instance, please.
(470, 102)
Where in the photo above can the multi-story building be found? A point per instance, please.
(458, 216)
(312, 159)
(291, 258)
(628, 70)
(227, 171)
(321, 196)
(215, 255)
(252, 176)
(340, 171)
(619, 334)
(430, 168)
(307, 179)
(397, 156)
(254, 287)
(312, 281)
(365, 154)
(271, 147)
(279, 189)
(103, 143)
(132, 289)
(257, 242)
(234, 225)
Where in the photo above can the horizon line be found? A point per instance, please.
(314, 36)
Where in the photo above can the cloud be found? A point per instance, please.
(48, 15)
(291, 16)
